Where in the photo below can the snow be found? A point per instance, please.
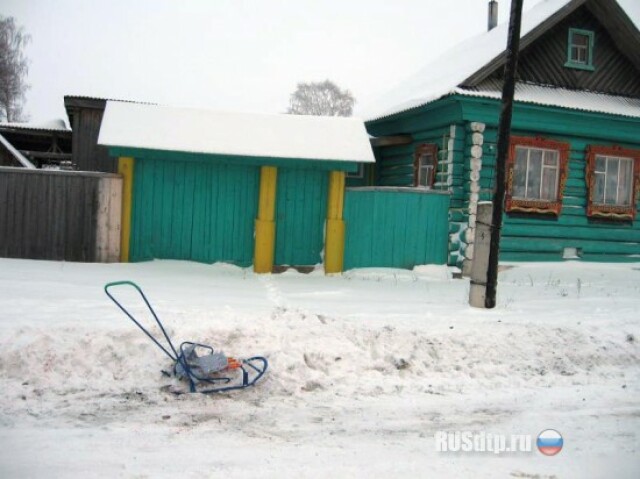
(365, 368)
(564, 98)
(243, 134)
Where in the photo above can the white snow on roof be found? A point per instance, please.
(444, 74)
(56, 124)
(239, 134)
(561, 97)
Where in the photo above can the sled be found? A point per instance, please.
(207, 370)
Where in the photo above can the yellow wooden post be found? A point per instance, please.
(334, 240)
(125, 168)
(265, 240)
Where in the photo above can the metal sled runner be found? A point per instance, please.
(206, 369)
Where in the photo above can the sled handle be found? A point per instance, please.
(113, 284)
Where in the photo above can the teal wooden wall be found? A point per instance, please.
(301, 209)
(395, 163)
(442, 124)
(193, 210)
(525, 237)
(395, 227)
(543, 238)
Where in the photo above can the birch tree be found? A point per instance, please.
(14, 67)
(321, 99)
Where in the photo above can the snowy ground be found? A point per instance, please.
(365, 368)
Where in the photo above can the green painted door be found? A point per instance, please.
(201, 211)
(301, 208)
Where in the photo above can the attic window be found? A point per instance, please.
(580, 49)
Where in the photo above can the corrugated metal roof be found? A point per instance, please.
(563, 98)
(51, 125)
(90, 97)
(101, 98)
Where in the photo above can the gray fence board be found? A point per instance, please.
(55, 215)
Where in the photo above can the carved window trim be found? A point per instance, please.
(519, 205)
(612, 212)
(430, 149)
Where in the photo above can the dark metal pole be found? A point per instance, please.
(504, 132)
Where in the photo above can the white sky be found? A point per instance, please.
(235, 55)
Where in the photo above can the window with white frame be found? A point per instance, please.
(425, 162)
(612, 179)
(536, 173)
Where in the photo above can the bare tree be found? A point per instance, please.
(13, 69)
(321, 99)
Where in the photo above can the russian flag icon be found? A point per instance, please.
(549, 442)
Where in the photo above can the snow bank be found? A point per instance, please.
(364, 369)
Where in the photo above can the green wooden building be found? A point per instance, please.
(246, 189)
(573, 172)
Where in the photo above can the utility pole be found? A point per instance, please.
(504, 132)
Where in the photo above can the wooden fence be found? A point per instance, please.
(60, 215)
(395, 227)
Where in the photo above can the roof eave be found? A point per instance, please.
(412, 109)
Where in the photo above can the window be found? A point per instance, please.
(536, 173)
(613, 178)
(424, 165)
(359, 173)
(580, 49)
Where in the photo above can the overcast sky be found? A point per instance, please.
(237, 55)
